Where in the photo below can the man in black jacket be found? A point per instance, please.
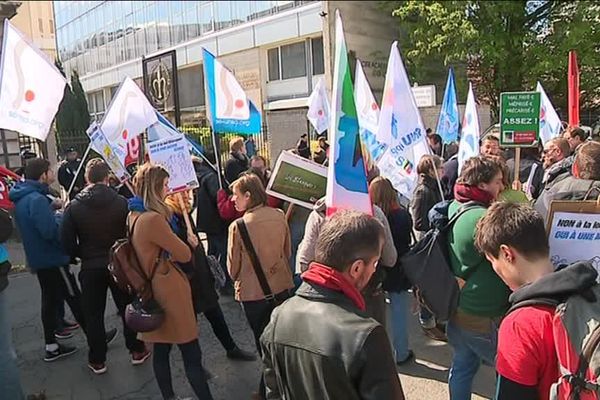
(92, 223)
(67, 171)
(321, 343)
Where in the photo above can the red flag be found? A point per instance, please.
(573, 80)
(7, 180)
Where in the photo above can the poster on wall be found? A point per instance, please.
(173, 153)
(297, 180)
(574, 232)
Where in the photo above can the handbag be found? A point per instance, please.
(258, 271)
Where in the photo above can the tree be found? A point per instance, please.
(505, 45)
(80, 107)
(64, 116)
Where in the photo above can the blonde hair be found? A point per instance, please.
(148, 184)
(236, 144)
(252, 184)
(383, 194)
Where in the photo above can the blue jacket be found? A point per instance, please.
(38, 226)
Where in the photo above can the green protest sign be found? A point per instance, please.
(519, 119)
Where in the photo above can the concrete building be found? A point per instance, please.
(36, 20)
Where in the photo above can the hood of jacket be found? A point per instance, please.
(97, 196)
(27, 187)
(559, 285)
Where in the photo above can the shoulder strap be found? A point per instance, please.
(262, 279)
(471, 205)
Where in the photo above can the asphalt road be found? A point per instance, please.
(70, 378)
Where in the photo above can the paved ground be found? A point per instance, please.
(70, 378)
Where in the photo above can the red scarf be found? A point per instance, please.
(322, 275)
(465, 193)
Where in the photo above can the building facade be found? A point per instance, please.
(276, 49)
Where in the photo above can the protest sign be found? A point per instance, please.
(519, 119)
(173, 153)
(297, 180)
(100, 144)
(574, 232)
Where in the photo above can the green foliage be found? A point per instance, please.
(504, 45)
(80, 107)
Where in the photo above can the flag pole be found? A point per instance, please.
(437, 178)
(87, 151)
(217, 148)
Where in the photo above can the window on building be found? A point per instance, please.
(293, 60)
(318, 64)
(273, 59)
(41, 25)
(207, 21)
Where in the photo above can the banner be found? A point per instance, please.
(164, 129)
(447, 126)
(128, 115)
(520, 119)
(346, 175)
(160, 82)
(574, 232)
(173, 153)
(367, 112)
(101, 145)
(31, 87)
(550, 123)
(297, 180)
(573, 89)
(401, 128)
(229, 110)
(469, 138)
(318, 107)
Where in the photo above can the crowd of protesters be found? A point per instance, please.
(313, 288)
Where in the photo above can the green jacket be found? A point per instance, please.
(484, 293)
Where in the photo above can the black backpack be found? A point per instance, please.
(427, 265)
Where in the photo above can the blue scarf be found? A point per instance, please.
(136, 204)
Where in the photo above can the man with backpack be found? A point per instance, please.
(552, 331)
(92, 222)
(483, 297)
(39, 229)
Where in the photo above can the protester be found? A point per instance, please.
(238, 161)
(426, 195)
(152, 237)
(490, 146)
(450, 170)
(250, 145)
(483, 298)
(45, 257)
(92, 222)
(396, 284)
(67, 171)
(373, 293)
(202, 281)
(322, 153)
(10, 381)
(531, 172)
(303, 147)
(514, 240)
(260, 163)
(575, 136)
(321, 343)
(435, 143)
(508, 193)
(556, 162)
(208, 219)
(584, 184)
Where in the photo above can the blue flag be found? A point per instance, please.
(229, 110)
(447, 126)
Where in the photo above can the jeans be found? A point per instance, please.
(376, 307)
(258, 314)
(219, 326)
(58, 284)
(399, 323)
(470, 349)
(9, 372)
(192, 362)
(94, 284)
(217, 246)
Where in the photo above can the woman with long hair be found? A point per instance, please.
(158, 249)
(269, 238)
(396, 284)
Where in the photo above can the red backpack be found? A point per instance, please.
(576, 331)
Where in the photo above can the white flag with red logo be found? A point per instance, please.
(128, 115)
(31, 89)
(318, 107)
